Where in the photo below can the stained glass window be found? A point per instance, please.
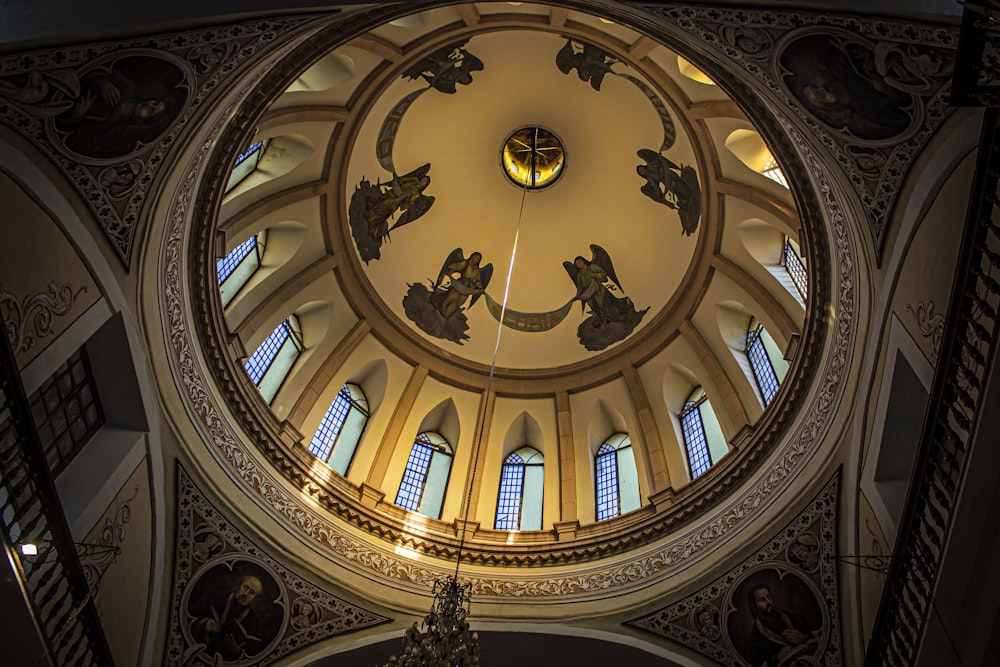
(273, 359)
(795, 268)
(236, 268)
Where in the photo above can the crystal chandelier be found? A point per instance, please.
(443, 639)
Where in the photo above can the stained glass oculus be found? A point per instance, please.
(533, 157)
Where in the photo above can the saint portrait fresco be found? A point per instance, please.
(775, 619)
(234, 610)
(119, 105)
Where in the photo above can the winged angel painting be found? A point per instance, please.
(373, 205)
(612, 317)
(439, 311)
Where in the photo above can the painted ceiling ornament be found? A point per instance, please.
(673, 186)
(438, 311)
(593, 63)
(612, 318)
(373, 206)
(443, 70)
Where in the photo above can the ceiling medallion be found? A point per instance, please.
(533, 158)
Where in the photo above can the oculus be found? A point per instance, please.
(533, 158)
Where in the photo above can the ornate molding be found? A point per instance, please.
(31, 318)
(723, 515)
(108, 150)
(212, 561)
(892, 64)
(930, 325)
(95, 562)
(798, 566)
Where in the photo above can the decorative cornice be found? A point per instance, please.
(667, 548)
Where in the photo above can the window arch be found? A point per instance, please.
(519, 501)
(246, 163)
(426, 476)
(270, 363)
(703, 439)
(759, 350)
(749, 147)
(340, 431)
(617, 481)
(235, 269)
(795, 267)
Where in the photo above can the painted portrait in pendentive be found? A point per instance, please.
(124, 102)
(836, 80)
(234, 609)
(776, 618)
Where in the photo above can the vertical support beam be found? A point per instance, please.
(376, 476)
(307, 399)
(650, 431)
(558, 16)
(477, 460)
(735, 414)
(567, 459)
(469, 15)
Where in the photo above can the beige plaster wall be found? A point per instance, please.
(44, 285)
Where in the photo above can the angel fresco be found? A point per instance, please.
(372, 206)
(612, 318)
(591, 63)
(444, 69)
(439, 311)
(673, 186)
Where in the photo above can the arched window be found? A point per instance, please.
(246, 163)
(340, 430)
(759, 357)
(269, 365)
(703, 438)
(795, 267)
(426, 476)
(519, 502)
(236, 268)
(617, 484)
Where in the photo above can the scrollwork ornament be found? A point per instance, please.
(32, 318)
(930, 324)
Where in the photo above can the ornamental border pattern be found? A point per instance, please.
(207, 56)
(877, 201)
(242, 463)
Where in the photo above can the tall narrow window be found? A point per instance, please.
(269, 365)
(795, 268)
(426, 476)
(519, 502)
(236, 268)
(246, 164)
(66, 411)
(703, 438)
(617, 482)
(338, 434)
(760, 362)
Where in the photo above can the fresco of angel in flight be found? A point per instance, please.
(440, 310)
(612, 317)
(373, 206)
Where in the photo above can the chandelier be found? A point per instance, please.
(443, 638)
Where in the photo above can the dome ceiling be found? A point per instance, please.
(426, 189)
